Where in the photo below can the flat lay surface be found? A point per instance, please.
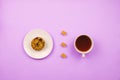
(99, 19)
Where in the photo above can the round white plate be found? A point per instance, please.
(48, 44)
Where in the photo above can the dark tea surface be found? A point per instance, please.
(83, 43)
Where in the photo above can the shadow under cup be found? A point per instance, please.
(83, 44)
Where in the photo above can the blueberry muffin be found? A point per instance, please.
(38, 43)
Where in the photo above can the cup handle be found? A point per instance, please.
(83, 55)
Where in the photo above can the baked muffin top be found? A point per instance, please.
(38, 43)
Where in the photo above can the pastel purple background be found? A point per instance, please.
(98, 18)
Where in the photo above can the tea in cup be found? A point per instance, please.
(83, 44)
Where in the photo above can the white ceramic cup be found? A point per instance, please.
(90, 47)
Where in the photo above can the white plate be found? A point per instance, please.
(48, 44)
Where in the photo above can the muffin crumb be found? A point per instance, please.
(63, 55)
(63, 44)
(64, 33)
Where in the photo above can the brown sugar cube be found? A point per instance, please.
(63, 55)
(63, 44)
(64, 33)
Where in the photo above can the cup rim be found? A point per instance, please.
(83, 52)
